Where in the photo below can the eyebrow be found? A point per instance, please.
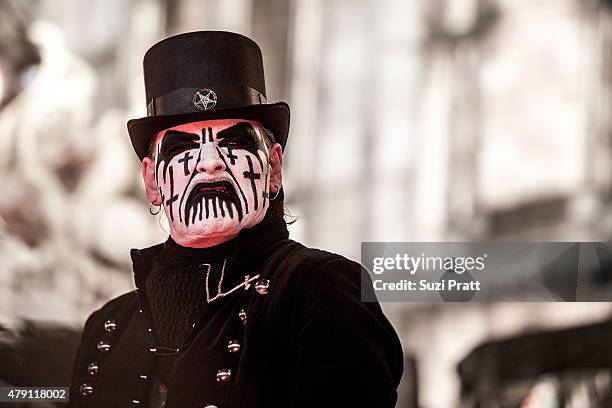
(175, 142)
(242, 131)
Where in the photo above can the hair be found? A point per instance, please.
(151, 150)
(276, 208)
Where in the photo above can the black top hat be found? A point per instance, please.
(205, 75)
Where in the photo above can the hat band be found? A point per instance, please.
(191, 100)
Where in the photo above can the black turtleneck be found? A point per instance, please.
(174, 280)
(176, 289)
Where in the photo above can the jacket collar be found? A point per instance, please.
(252, 247)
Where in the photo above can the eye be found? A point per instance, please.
(238, 143)
(230, 142)
(179, 148)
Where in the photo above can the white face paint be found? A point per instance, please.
(214, 179)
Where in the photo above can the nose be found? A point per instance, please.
(210, 160)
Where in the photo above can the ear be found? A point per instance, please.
(276, 167)
(148, 175)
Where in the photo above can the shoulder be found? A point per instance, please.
(309, 260)
(334, 304)
(116, 308)
(309, 268)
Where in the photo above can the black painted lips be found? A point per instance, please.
(202, 197)
(216, 188)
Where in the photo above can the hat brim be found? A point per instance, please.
(274, 116)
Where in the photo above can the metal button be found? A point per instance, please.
(210, 406)
(93, 368)
(224, 375)
(110, 326)
(143, 376)
(104, 346)
(242, 316)
(86, 389)
(233, 346)
(262, 286)
(135, 402)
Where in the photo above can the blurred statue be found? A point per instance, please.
(57, 260)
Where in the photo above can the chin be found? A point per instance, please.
(204, 235)
(209, 233)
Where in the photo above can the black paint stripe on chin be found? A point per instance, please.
(229, 210)
(193, 213)
(221, 202)
(202, 209)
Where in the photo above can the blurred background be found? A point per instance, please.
(412, 120)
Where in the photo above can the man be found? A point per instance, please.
(229, 312)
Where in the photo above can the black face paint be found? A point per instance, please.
(230, 211)
(264, 193)
(214, 195)
(229, 171)
(174, 143)
(161, 193)
(244, 136)
(241, 136)
(220, 198)
(207, 132)
(173, 197)
(231, 156)
(185, 160)
(193, 173)
(221, 208)
(251, 175)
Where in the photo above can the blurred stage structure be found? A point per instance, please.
(543, 369)
(412, 120)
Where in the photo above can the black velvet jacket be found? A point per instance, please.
(297, 335)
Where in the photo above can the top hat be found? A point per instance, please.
(205, 75)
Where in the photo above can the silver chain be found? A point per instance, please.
(247, 282)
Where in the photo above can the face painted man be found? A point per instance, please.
(229, 312)
(213, 178)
